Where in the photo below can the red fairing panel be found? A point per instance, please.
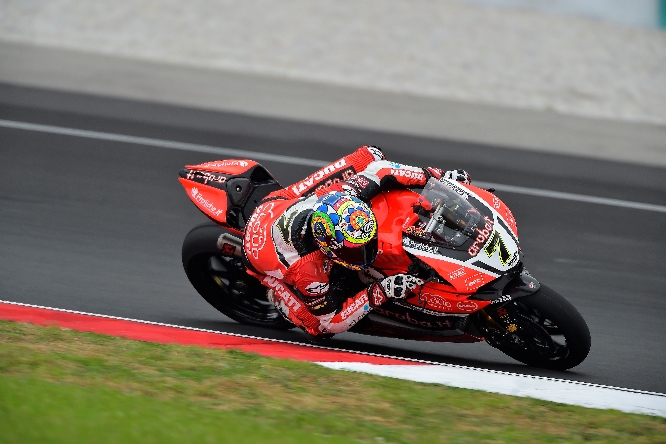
(211, 201)
(465, 279)
(229, 166)
(444, 298)
(391, 257)
(497, 204)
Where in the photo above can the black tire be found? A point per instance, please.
(223, 281)
(551, 332)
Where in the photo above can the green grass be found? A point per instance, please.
(65, 386)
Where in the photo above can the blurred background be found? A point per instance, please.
(596, 58)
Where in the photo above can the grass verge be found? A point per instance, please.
(60, 385)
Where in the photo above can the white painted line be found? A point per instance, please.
(183, 146)
(565, 392)
(302, 161)
(571, 196)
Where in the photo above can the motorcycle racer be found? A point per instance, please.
(297, 234)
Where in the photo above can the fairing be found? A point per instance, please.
(227, 191)
(461, 235)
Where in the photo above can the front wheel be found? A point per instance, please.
(541, 330)
(223, 281)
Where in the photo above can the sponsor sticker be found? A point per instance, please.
(410, 243)
(311, 180)
(205, 177)
(467, 306)
(378, 296)
(410, 174)
(317, 288)
(499, 300)
(255, 231)
(359, 182)
(434, 301)
(474, 281)
(481, 236)
(376, 152)
(225, 163)
(460, 272)
(227, 249)
(455, 187)
(361, 302)
(200, 199)
(287, 300)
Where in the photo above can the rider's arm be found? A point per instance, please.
(381, 174)
(308, 279)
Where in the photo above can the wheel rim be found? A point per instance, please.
(237, 290)
(537, 336)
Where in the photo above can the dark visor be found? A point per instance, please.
(360, 256)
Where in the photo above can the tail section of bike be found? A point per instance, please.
(227, 191)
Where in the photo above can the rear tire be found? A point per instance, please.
(223, 281)
(551, 332)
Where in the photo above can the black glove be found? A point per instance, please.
(397, 286)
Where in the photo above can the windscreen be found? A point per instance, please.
(445, 216)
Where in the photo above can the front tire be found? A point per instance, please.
(550, 332)
(223, 281)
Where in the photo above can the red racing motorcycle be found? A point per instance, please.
(460, 239)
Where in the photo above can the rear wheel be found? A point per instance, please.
(224, 283)
(542, 330)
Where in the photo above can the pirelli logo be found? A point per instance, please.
(496, 245)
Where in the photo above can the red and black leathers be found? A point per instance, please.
(281, 253)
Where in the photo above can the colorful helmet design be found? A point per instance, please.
(345, 229)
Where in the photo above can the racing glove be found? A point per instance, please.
(459, 176)
(397, 286)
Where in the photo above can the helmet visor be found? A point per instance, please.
(359, 256)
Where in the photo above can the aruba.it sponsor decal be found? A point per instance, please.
(481, 237)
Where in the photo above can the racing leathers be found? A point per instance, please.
(282, 254)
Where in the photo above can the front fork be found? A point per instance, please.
(498, 320)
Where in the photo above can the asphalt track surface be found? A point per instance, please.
(96, 226)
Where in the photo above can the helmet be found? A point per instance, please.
(345, 229)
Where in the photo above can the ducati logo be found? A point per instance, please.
(496, 244)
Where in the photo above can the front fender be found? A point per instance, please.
(522, 285)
